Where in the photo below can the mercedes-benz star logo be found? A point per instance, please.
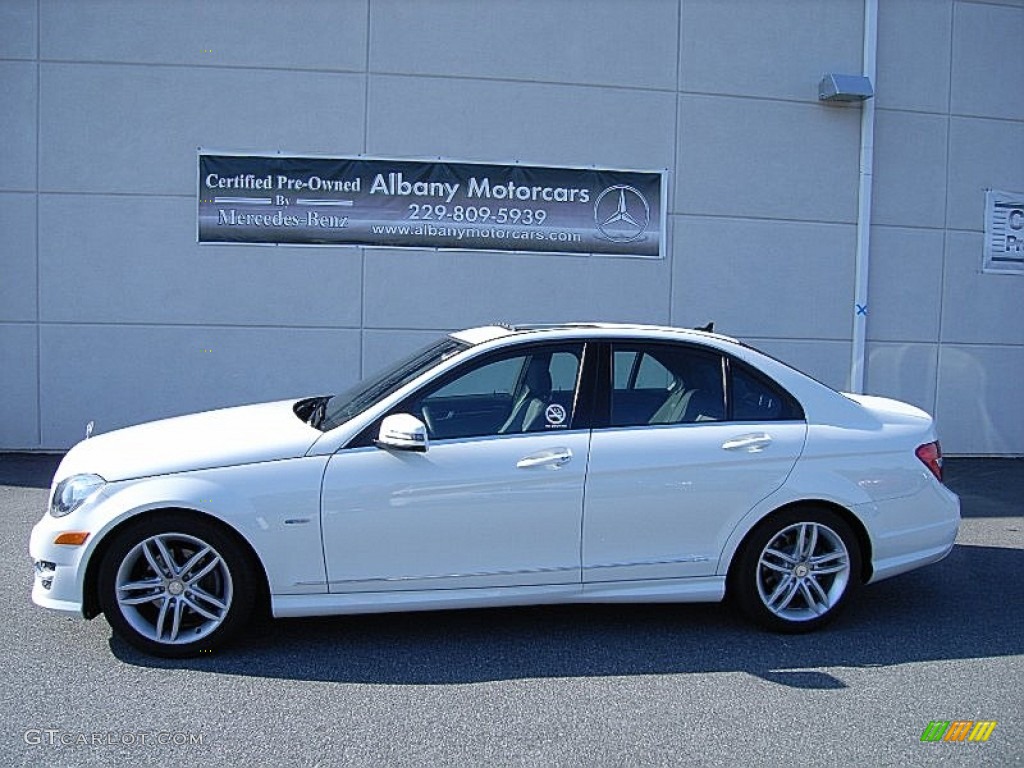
(628, 219)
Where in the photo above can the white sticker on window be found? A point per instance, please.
(555, 415)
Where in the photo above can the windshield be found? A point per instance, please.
(358, 398)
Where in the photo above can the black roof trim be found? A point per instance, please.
(550, 326)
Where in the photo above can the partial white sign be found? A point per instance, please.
(1004, 232)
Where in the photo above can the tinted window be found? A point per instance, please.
(756, 398)
(623, 368)
(498, 378)
(653, 375)
(665, 384)
(532, 390)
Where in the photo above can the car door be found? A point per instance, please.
(496, 500)
(678, 463)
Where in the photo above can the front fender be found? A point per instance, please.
(274, 506)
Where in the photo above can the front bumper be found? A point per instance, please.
(59, 568)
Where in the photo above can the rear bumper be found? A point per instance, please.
(894, 566)
(914, 531)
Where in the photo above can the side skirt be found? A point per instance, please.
(695, 590)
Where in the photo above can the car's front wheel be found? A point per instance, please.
(796, 570)
(175, 585)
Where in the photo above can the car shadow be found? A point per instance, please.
(968, 606)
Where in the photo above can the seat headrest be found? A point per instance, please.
(538, 378)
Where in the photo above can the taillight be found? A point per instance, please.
(931, 455)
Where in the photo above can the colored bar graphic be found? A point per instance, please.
(959, 730)
(982, 730)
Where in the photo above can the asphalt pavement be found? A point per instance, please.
(553, 686)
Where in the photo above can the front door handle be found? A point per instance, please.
(553, 459)
(752, 443)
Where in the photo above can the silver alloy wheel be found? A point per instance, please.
(174, 588)
(803, 571)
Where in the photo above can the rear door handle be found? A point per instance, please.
(553, 459)
(752, 443)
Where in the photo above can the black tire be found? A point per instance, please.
(792, 586)
(179, 612)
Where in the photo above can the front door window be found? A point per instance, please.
(532, 391)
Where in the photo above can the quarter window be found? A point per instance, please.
(754, 397)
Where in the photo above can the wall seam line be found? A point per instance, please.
(39, 327)
(670, 250)
(366, 144)
(945, 211)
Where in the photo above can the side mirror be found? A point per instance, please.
(403, 432)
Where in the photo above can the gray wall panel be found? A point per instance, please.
(534, 123)
(764, 278)
(19, 414)
(979, 409)
(121, 375)
(905, 284)
(18, 148)
(978, 307)
(423, 289)
(988, 58)
(734, 47)
(18, 29)
(827, 361)
(909, 169)
(18, 267)
(742, 157)
(983, 154)
(116, 128)
(904, 371)
(598, 42)
(314, 34)
(140, 262)
(914, 54)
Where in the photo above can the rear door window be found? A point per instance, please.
(665, 384)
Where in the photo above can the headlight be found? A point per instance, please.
(72, 491)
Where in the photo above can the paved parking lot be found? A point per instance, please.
(593, 686)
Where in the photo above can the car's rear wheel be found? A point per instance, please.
(796, 570)
(174, 585)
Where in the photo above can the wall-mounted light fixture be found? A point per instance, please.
(845, 88)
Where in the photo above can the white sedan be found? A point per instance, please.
(579, 463)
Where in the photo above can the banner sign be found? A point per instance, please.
(425, 204)
(1004, 232)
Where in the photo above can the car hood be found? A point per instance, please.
(226, 437)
